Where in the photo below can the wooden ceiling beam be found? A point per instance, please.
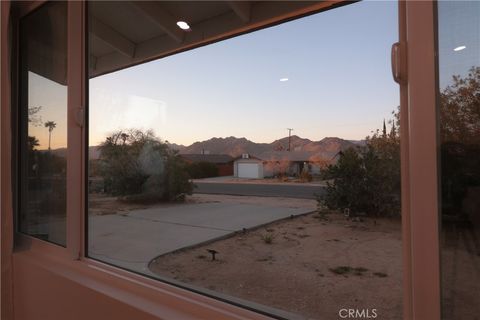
(242, 9)
(112, 38)
(161, 18)
(211, 30)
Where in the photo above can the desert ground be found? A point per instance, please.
(312, 265)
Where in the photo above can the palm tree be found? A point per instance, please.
(50, 125)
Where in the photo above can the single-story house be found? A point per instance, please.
(224, 162)
(291, 163)
(274, 163)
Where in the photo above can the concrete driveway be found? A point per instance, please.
(133, 239)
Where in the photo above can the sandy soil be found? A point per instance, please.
(263, 201)
(313, 266)
(100, 204)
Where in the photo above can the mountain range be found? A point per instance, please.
(326, 148)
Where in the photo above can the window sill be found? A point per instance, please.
(40, 266)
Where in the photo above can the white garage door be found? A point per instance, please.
(248, 170)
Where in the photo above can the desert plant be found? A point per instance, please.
(136, 164)
(176, 179)
(358, 271)
(367, 179)
(343, 270)
(202, 169)
(268, 237)
(380, 274)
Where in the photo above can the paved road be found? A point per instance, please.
(261, 190)
(133, 239)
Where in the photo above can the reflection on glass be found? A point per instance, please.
(459, 106)
(194, 178)
(43, 123)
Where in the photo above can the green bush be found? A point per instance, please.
(367, 179)
(202, 169)
(177, 181)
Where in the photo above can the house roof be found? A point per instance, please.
(303, 156)
(211, 158)
(299, 156)
(250, 157)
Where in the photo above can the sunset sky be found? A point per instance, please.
(339, 84)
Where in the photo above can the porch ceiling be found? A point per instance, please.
(126, 33)
(137, 31)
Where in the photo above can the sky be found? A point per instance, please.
(458, 28)
(339, 84)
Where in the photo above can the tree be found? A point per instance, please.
(460, 140)
(50, 125)
(136, 164)
(460, 109)
(348, 188)
(33, 117)
(367, 179)
(378, 164)
(32, 143)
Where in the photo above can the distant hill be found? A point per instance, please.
(175, 146)
(296, 143)
(326, 148)
(230, 145)
(358, 142)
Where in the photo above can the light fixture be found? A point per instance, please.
(183, 25)
(283, 79)
(460, 48)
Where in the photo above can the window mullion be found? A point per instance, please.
(76, 103)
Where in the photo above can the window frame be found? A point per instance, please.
(420, 190)
(159, 299)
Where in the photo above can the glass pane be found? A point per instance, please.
(43, 123)
(459, 109)
(205, 166)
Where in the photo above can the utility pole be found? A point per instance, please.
(289, 137)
